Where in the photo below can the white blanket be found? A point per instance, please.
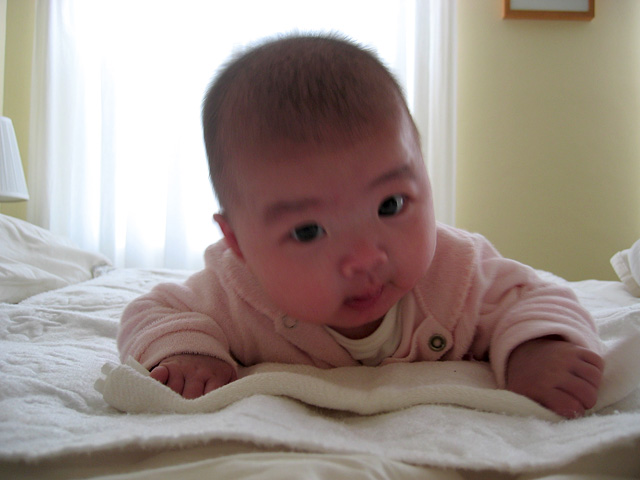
(53, 348)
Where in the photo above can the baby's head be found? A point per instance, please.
(320, 92)
(316, 163)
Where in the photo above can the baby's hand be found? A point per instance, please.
(193, 375)
(557, 374)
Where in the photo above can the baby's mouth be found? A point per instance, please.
(365, 300)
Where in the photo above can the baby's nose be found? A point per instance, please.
(363, 258)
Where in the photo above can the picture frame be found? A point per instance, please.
(549, 9)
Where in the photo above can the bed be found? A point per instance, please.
(70, 409)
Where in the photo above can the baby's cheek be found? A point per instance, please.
(300, 297)
(413, 264)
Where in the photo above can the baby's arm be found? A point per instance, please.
(171, 319)
(541, 342)
(559, 375)
(193, 375)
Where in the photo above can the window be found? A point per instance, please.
(118, 162)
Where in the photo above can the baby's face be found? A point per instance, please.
(337, 238)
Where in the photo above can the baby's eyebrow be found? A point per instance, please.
(402, 172)
(279, 209)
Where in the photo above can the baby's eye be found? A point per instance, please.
(391, 206)
(307, 233)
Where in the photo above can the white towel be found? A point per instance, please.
(362, 390)
(408, 412)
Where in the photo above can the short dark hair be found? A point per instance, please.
(322, 90)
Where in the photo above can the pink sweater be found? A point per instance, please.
(472, 303)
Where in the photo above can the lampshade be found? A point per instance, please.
(13, 186)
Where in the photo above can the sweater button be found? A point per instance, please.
(437, 342)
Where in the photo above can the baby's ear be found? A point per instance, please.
(229, 234)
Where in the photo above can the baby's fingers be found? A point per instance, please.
(563, 403)
(589, 373)
(172, 379)
(585, 393)
(193, 375)
(593, 358)
(175, 381)
(193, 388)
(591, 367)
(578, 393)
(160, 373)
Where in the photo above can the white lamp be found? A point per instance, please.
(13, 187)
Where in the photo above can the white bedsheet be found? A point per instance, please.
(53, 347)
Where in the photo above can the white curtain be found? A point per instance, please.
(117, 161)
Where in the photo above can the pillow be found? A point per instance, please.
(627, 265)
(34, 260)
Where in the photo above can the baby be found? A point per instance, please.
(331, 254)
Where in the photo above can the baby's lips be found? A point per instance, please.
(366, 299)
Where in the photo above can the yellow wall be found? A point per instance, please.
(548, 130)
(548, 149)
(16, 73)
